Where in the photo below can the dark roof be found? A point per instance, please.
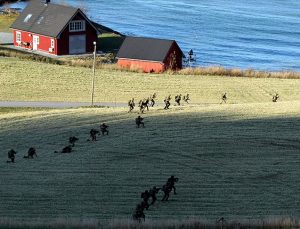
(103, 29)
(46, 19)
(141, 48)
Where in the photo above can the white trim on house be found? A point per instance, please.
(18, 37)
(52, 43)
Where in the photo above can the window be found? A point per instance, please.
(40, 20)
(52, 43)
(27, 17)
(18, 37)
(77, 26)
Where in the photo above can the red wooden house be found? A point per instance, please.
(150, 54)
(54, 29)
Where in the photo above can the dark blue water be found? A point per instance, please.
(254, 34)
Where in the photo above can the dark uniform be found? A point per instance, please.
(11, 156)
(167, 102)
(224, 98)
(178, 99)
(171, 182)
(145, 196)
(275, 98)
(93, 134)
(139, 121)
(72, 140)
(186, 98)
(153, 191)
(131, 104)
(31, 152)
(152, 100)
(104, 129)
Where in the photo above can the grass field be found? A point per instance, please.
(239, 161)
(6, 21)
(34, 81)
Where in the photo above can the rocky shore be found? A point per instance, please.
(3, 2)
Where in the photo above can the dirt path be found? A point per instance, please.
(56, 104)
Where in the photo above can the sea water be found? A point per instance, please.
(263, 35)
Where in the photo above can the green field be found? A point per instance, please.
(6, 21)
(22, 80)
(240, 161)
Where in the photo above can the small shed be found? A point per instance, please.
(54, 29)
(150, 54)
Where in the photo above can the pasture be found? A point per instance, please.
(34, 81)
(239, 161)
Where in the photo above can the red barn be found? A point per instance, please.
(150, 54)
(54, 29)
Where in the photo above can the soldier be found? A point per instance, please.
(138, 213)
(145, 196)
(67, 149)
(275, 98)
(171, 183)
(224, 98)
(166, 189)
(31, 152)
(167, 102)
(139, 121)
(153, 191)
(72, 140)
(131, 104)
(177, 99)
(152, 100)
(104, 129)
(11, 156)
(141, 106)
(93, 134)
(186, 98)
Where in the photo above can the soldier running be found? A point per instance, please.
(93, 134)
(186, 98)
(177, 99)
(167, 102)
(139, 121)
(11, 155)
(152, 100)
(153, 191)
(138, 214)
(131, 104)
(224, 98)
(145, 196)
(31, 152)
(171, 182)
(275, 98)
(104, 129)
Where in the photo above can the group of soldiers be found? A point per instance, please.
(274, 98)
(94, 132)
(178, 98)
(139, 214)
(69, 148)
(150, 102)
(12, 154)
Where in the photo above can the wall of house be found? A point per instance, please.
(169, 61)
(27, 42)
(146, 66)
(63, 41)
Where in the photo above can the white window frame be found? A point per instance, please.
(18, 37)
(52, 43)
(77, 26)
(27, 18)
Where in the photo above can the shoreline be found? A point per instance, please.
(4, 2)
